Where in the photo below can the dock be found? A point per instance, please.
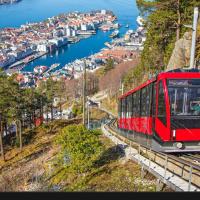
(54, 66)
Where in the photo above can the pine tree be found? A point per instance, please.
(165, 25)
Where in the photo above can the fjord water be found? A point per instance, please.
(37, 10)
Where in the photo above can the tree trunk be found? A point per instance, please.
(20, 135)
(47, 114)
(34, 118)
(1, 142)
(17, 133)
(178, 21)
(6, 128)
(42, 109)
(60, 106)
(30, 120)
(51, 111)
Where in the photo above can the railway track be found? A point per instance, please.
(179, 172)
(193, 158)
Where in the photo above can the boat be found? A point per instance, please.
(105, 27)
(116, 26)
(114, 34)
(29, 59)
(140, 21)
(89, 32)
(108, 45)
(127, 26)
(40, 69)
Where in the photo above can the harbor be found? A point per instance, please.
(121, 48)
(78, 48)
(32, 40)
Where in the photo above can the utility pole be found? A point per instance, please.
(88, 108)
(121, 87)
(194, 34)
(84, 91)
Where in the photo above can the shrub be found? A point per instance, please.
(80, 147)
(77, 109)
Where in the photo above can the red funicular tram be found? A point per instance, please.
(164, 112)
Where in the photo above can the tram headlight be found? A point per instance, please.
(179, 145)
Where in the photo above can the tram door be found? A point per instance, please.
(161, 128)
(153, 106)
(152, 112)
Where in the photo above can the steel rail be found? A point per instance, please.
(191, 158)
(185, 170)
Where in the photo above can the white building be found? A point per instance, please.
(103, 12)
(42, 47)
(84, 27)
(68, 32)
(74, 33)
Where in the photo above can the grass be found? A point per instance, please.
(20, 167)
(36, 167)
(96, 114)
(113, 173)
(110, 104)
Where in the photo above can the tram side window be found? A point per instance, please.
(143, 101)
(132, 109)
(161, 104)
(120, 108)
(127, 110)
(148, 100)
(154, 99)
(129, 104)
(138, 103)
(122, 100)
(134, 105)
(124, 105)
(123, 108)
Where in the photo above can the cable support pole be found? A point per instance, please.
(84, 91)
(194, 34)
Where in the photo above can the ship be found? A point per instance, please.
(114, 34)
(40, 69)
(29, 59)
(140, 21)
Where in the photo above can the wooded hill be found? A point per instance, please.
(165, 20)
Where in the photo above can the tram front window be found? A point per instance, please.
(184, 97)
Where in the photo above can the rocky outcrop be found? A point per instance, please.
(181, 53)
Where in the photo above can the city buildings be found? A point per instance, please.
(31, 38)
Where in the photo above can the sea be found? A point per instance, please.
(26, 11)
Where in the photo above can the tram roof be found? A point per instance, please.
(178, 73)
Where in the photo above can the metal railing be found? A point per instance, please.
(184, 169)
